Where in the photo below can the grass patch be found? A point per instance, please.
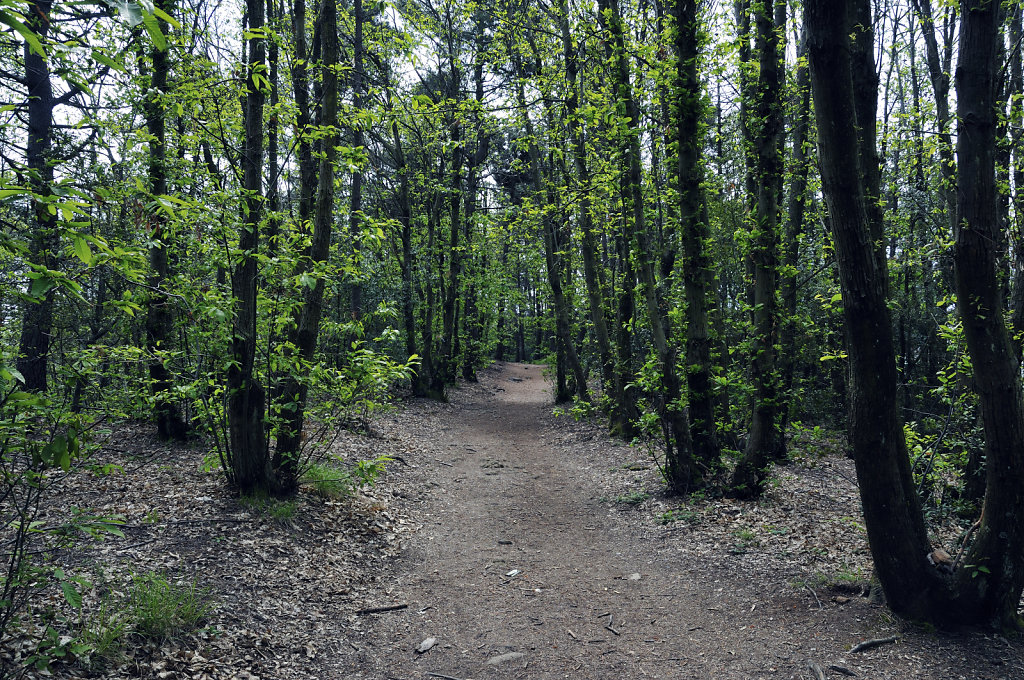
(685, 515)
(263, 504)
(328, 481)
(632, 498)
(160, 609)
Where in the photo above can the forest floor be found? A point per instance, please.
(513, 543)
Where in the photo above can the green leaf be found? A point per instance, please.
(71, 594)
(107, 61)
(27, 33)
(153, 28)
(14, 191)
(41, 286)
(83, 251)
(166, 17)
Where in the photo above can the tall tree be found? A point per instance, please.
(160, 314)
(247, 439)
(987, 589)
(992, 593)
(305, 328)
(764, 439)
(694, 227)
(37, 320)
(675, 422)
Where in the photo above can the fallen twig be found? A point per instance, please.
(868, 644)
(815, 595)
(613, 630)
(441, 675)
(843, 670)
(816, 670)
(381, 610)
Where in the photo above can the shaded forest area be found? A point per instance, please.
(720, 224)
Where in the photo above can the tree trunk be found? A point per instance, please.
(938, 72)
(160, 313)
(694, 226)
(356, 197)
(37, 320)
(306, 325)
(892, 512)
(249, 460)
(680, 471)
(596, 296)
(764, 439)
(991, 582)
(794, 228)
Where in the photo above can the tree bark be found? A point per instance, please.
(306, 324)
(694, 222)
(764, 439)
(680, 472)
(37, 319)
(160, 313)
(991, 582)
(249, 459)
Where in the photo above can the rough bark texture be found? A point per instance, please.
(37, 320)
(990, 584)
(764, 437)
(247, 441)
(892, 513)
(306, 326)
(160, 313)
(698, 277)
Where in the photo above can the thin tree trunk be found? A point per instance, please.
(250, 464)
(679, 470)
(764, 436)
(160, 313)
(694, 226)
(37, 319)
(596, 296)
(356, 197)
(794, 228)
(306, 327)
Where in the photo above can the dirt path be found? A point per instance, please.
(523, 569)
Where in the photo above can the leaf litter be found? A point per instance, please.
(349, 588)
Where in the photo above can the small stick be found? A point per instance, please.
(813, 593)
(381, 610)
(571, 634)
(442, 676)
(868, 644)
(963, 544)
(613, 630)
(841, 669)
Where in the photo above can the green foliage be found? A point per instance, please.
(633, 498)
(263, 504)
(160, 609)
(684, 515)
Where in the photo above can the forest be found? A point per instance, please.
(719, 225)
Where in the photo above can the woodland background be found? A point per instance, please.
(254, 222)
